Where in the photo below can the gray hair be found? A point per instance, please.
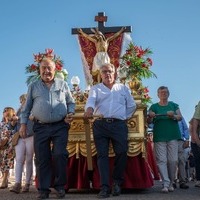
(163, 88)
(48, 60)
(107, 65)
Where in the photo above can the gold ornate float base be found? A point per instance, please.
(136, 137)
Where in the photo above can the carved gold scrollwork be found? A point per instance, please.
(132, 123)
(79, 148)
(136, 136)
(135, 148)
(77, 125)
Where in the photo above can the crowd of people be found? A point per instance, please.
(43, 121)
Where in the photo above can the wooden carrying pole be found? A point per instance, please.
(88, 143)
(88, 139)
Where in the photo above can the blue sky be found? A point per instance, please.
(170, 28)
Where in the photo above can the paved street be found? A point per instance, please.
(153, 193)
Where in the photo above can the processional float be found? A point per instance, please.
(81, 147)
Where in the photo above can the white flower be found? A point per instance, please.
(122, 72)
(60, 75)
(65, 71)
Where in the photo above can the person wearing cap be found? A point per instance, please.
(50, 101)
(115, 103)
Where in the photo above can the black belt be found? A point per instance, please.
(48, 123)
(110, 120)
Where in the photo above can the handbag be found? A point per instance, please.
(15, 139)
(3, 143)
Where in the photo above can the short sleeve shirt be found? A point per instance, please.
(165, 129)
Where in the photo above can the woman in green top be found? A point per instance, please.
(165, 116)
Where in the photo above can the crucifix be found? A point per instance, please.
(97, 42)
(101, 18)
(99, 45)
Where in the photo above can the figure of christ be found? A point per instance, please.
(101, 44)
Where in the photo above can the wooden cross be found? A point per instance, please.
(101, 19)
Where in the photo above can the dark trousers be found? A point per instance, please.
(50, 142)
(117, 133)
(196, 152)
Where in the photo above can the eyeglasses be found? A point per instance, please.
(107, 71)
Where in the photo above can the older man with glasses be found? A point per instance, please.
(115, 103)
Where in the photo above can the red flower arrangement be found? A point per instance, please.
(136, 63)
(34, 68)
(135, 66)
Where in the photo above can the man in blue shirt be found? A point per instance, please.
(51, 103)
(115, 103)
